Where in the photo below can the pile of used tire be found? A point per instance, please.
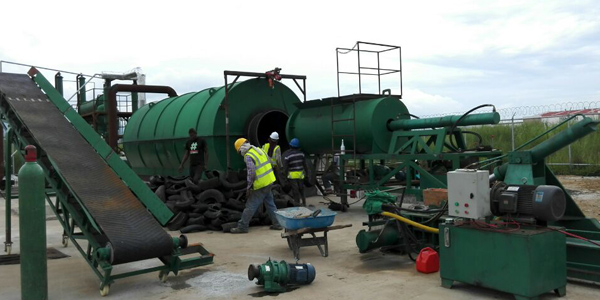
(215, 203)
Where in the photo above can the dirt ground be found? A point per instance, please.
(345, 274)
(586, 193)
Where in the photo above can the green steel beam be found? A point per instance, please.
(474, 119)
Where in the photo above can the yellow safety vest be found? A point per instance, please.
(266, 149)
(296, 175)
(264, 171)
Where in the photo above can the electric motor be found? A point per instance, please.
(274, 276)
(542, 202)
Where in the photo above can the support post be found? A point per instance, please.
(7, 188)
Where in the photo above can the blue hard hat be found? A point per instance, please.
(295, 143)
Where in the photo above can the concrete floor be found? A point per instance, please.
(345, 274)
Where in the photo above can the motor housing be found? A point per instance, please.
(542, 202)
(275, 276)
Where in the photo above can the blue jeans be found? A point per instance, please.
(257, 197)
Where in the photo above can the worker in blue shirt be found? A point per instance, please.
(295, 167)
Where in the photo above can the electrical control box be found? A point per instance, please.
(469, 193)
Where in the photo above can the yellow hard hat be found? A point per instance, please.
(238, 143)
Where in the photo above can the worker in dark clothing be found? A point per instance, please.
(260, 180)
(295, 167)
(331, 177)
(197, 151)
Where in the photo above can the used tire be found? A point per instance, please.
(227, 226)
(229, 185)
(211, 196)
(234, 205)
(178, 221)
(212, 214)
(192, 228)
(208, 184)
(192, 186)
(172, 208)
(186, 201)
(200, 208)
(174, 198)
(196, 221)
(160, 193)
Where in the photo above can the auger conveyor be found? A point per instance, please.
(98, 198)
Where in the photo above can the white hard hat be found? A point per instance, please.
(274, 135)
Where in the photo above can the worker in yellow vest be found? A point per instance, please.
(295, 167)
(273, 150)
(260, 179)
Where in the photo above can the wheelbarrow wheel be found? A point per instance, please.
(162, 275)
(104, 290)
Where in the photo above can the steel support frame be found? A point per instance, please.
(360, 69)
(408, 162)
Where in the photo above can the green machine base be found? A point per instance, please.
(523, 262)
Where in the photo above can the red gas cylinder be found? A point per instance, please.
(428, 261)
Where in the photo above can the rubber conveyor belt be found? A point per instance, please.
(133, 232)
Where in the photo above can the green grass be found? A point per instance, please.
(583, 151)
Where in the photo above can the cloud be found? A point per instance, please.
(420, 103)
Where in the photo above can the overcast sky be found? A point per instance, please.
(455, 54)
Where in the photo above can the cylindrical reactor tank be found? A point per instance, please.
(156, 134)
(96, 106)
(313, 124)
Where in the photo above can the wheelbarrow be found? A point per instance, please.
(300, 221)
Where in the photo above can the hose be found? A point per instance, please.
(410, 222)
(452, 140)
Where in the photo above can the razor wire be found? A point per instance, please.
(521, 112)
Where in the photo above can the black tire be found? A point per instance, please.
(228, 194)
(234, 205)
(242, 175)
(176, 179)
(265, 221)
(276, 194)
(212, 214)
(215, 195)
(178, 221)
(233, 177)
(281, 203)
(208, 184)
(200, 208)
(213, 228)
(196, 221)
(227, 226)
(160, 193)
(175, 190)
(174, 198)
(211, 174)
(234, 216)
(157, 180)
(186, 200)
(192, 186)
(217, 223)
(172, 208)
(193, 228)
(255, 222)
(192, 215)
(232, 186)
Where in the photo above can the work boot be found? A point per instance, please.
(238, 230)
(276, 227)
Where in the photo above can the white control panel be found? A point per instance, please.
(469, 193)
